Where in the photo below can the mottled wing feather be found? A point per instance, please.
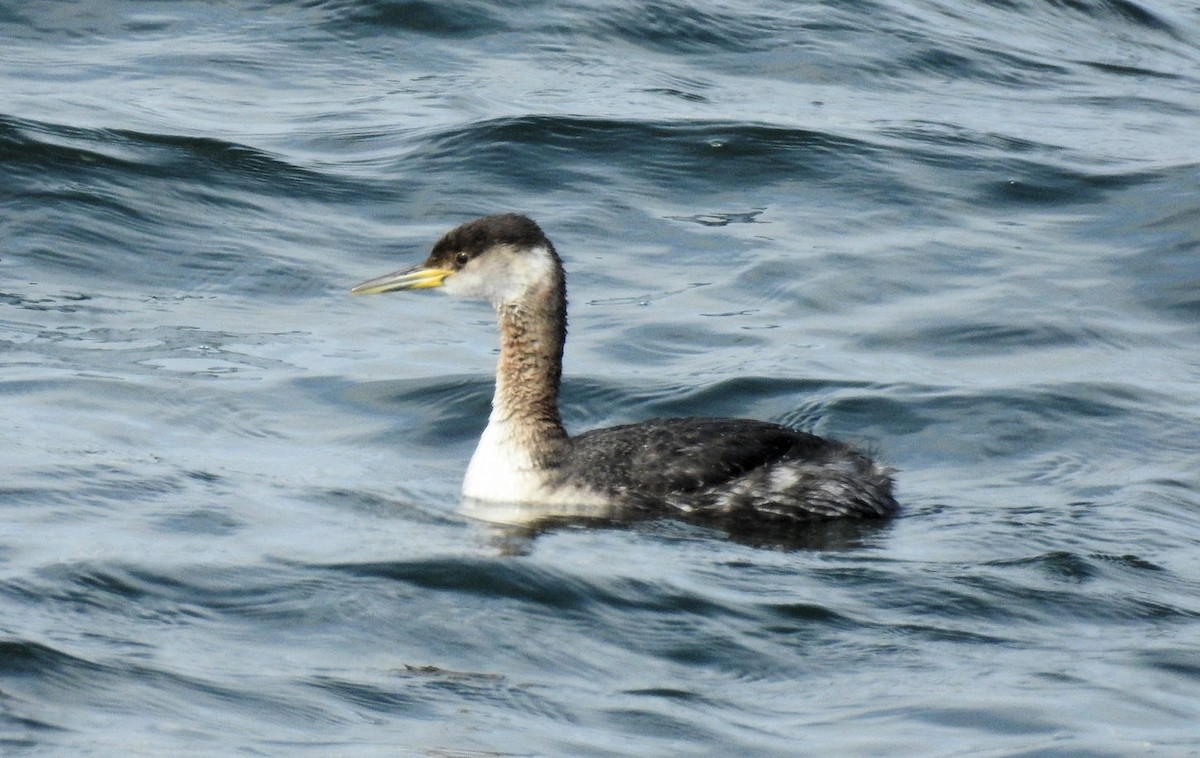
(737, 473)
(683, 454)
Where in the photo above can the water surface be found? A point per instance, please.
(964, 236)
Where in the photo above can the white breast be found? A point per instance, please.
(501, 470)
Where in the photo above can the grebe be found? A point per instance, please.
(741, 475)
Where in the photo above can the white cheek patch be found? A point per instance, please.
(501, 275)
(464, 284)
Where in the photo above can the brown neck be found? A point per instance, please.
(532, 333)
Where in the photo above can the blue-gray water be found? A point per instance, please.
(965, 235)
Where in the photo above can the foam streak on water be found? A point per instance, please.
(963, 235)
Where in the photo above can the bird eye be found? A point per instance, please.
(462, 258)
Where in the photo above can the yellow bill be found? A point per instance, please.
(417, 278)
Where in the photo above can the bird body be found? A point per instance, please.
(738, 474)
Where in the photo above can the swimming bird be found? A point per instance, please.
(742, 475)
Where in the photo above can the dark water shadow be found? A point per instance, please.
(517, 539)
